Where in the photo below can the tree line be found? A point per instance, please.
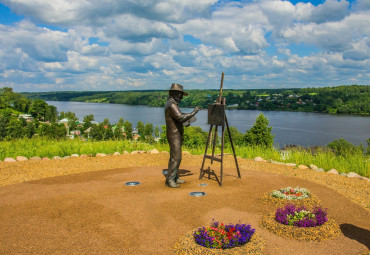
(354, 99)
(46, 123)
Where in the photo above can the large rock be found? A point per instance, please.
(9, 160)
(354, 175)
(154, 151)
(302, 167)
(320, 170)
(100, 155)
(116, 153)
(74, 155)
(35, 158)
(45, 158)
(126, 152)
(313, 167)
(134, 152)
(291, 164)
(65, 157)
(57, 157)
(333, 171)
(258, 159)
(21, 158)
(277, 162)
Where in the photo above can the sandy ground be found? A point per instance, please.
(82, 205)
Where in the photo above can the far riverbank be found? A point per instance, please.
(298, 128)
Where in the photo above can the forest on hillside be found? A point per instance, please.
(353, 99)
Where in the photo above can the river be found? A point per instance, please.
(299, 128)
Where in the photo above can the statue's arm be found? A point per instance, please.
(179, 116)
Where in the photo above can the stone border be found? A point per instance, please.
(155, 151)
(187, 245)
(312, 200)
(328, 230)
(22, 158)
(314, 168)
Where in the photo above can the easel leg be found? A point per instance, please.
(222, 154)
(205, 153)
(232, 146)
(214, 144)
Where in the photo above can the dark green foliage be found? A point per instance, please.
(354, 99)
(53, 131)
(260, 133)
(128, 129)
(236, 136)
(157, 132)
(195, 137)
(342, 147)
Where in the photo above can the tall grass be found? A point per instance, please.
(43, 147)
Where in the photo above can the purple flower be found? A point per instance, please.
(222, 236)
(301, 216)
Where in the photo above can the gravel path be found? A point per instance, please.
(81, 205)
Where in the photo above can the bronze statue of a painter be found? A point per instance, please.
(175, 121)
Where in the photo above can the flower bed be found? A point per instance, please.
(300, 216)
(291, 193)
(220, 239)
(298, 196)
(301, 223)
(220, 236)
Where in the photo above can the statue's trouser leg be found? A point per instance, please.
(175, 160)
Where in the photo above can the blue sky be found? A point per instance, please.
(128, 44)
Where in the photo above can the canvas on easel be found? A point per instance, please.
(217, 118)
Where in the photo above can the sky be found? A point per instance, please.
(106, 45)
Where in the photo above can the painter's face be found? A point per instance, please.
(178, 96)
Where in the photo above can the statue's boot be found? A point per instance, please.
(179, 181)
(171, 179)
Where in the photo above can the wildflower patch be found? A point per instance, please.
(220, 238)
(301, 223)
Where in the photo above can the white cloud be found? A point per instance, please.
(113, 45)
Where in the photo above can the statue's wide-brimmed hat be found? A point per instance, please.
(178, 87)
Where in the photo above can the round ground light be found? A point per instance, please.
(132, 183)
(197, 194)
(203, 184)
(164, 172)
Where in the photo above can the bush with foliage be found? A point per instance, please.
(342, 147)
(260, 133)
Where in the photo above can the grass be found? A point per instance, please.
(43, 147)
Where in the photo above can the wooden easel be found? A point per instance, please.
(217, 117)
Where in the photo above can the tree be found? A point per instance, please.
(38, 109)
(51, 113)
(87, 122)
(260, 133)
(140, 128)
(14, 129)
(148, 130)
(157, 133)
(128, 129)
(117, 133)
(107, 127)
